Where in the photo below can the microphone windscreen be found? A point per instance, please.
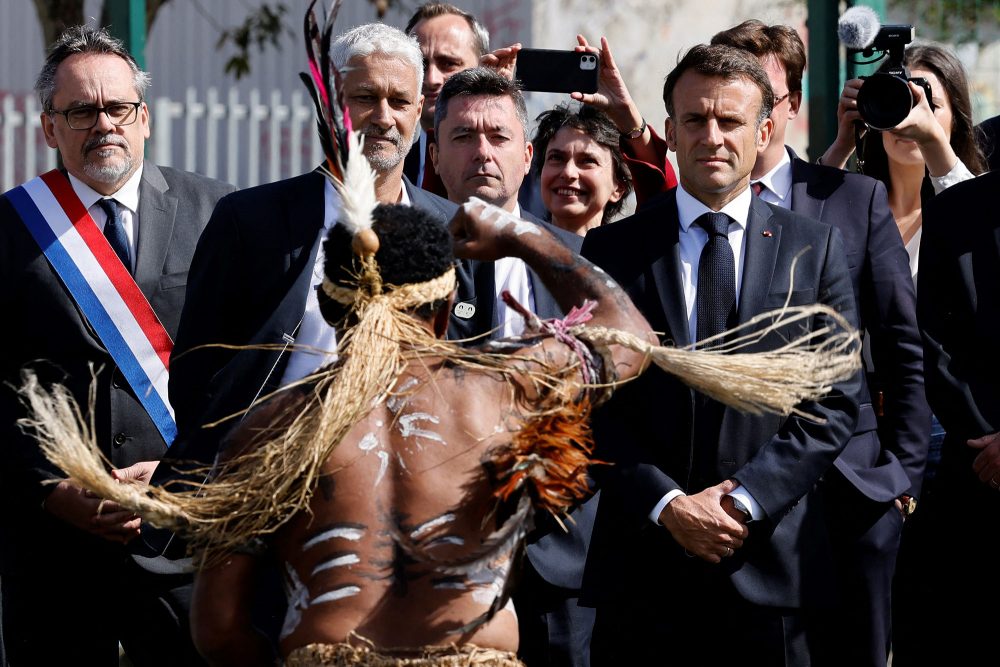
(858, 27)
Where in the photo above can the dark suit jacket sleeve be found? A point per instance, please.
(216, 286)
(888, 312)
(787, 467)
(958, 304)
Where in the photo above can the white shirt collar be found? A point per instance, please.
(779, 179)
(127, 195)
(690, 209)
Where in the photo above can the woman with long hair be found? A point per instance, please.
(932, 149)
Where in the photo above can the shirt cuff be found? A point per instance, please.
(957, 174)
(654, 516)
(741, 494)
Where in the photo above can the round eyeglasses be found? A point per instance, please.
(84, 118)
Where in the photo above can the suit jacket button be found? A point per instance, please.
(120, 439)
(117, 379)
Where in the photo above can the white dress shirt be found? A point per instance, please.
(692, 241)
(778, 183)
(128, 200)
(511, 274)
(316, 339)
(316, 342)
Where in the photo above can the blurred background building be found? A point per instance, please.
(259, 128)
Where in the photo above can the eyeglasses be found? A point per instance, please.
(84, 118)
(779, 100)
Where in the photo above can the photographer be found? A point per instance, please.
(933, 148)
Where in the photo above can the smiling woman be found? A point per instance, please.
(583, 175)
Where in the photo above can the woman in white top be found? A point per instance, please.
(932, 149)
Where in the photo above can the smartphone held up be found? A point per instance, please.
(552, 71)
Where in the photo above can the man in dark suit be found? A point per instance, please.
(482, 150)
(710, 541)
(71, 592)
(451, 40)
(255, 272)
(958, 306)
(877, 477)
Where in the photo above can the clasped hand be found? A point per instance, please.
(706, 524)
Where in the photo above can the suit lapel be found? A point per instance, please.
(156, 227)
(760, 254)
(666, 272)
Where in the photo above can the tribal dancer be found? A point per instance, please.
(395, 486)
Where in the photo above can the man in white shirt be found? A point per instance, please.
(708, 547)
(71, 592)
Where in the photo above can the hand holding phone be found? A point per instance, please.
(552, 71)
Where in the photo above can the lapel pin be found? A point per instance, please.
(464, 310)
(766, 233)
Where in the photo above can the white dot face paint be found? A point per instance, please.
(409, 429)
(499, 218)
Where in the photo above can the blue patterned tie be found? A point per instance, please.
(114, 231)
(716, 295)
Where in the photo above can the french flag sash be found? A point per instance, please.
(105, 291)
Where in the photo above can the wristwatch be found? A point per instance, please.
(635, 132)
(740, 507)
(909, 504)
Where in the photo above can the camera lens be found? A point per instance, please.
(884, 100)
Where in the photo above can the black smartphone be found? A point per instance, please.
(551, 71)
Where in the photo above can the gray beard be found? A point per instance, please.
(110, 173)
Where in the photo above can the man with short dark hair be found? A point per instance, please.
(869, 490)
(707, 547)
(482, 150)
(451, 40)
(95, 259)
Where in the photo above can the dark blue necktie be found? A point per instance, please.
(716, 295)
(114, 231)
(716, 305)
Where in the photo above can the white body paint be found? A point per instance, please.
(428, 526)
(298, 600)
(383, 464)
(399, 396)
(352, 534)
(499, 218)
(369, 442)
(339, 561)
(408, 428)
(336, 594)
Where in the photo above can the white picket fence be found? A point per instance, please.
(258, 139)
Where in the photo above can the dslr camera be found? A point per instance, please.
(884, 99)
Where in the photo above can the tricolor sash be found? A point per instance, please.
(105, 291)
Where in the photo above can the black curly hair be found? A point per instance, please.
(413, 247)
